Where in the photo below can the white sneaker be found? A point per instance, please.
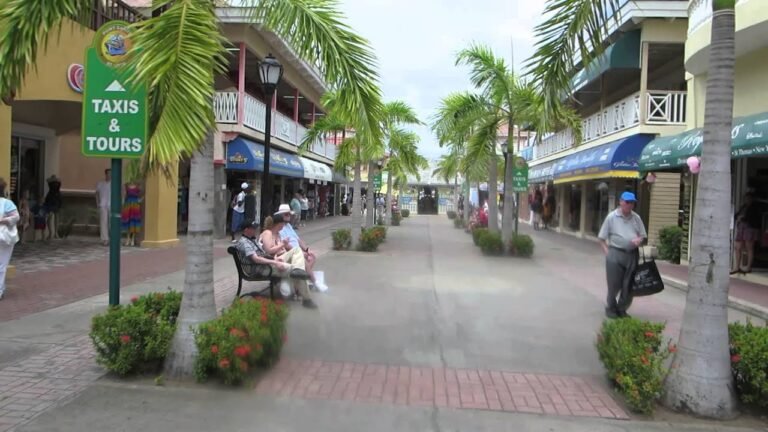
(321, 287)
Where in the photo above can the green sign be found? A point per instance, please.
(114, 112)
(377, 181)
(519, 175)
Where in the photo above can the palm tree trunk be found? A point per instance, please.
(467, 201)
(357, 208)
(493, 194)
(197, 304)
(370, 202)
(508, 217)
(700, 381)
(388, 204)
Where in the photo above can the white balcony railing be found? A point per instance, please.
(662, 108)
(666, 107)
(254, 117)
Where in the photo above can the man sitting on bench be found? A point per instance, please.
(291, 240)
(288, 266)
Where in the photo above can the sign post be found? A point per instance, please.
(519, 183)
(114, 124)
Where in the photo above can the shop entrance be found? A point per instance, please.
(26, 168)
(428, 201)
(756, 176)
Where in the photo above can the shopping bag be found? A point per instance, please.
(647, 279)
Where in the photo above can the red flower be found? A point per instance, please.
(125, 339)
(214, 349)
(242, 351)
(735, 358)
(134, 299)
(224, 363)
(645, 360)
(672, 348)
(649, 334)
(648, 350)
(263, 318)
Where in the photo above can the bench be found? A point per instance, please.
(266, 276)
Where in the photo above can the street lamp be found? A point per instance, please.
(270, 72)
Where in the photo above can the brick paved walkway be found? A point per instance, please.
(30, 257)
(441, 387)
(42, 381)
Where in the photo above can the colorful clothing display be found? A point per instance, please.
(131, 215)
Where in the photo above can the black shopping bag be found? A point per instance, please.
(647, 279)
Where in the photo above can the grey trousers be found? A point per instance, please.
(620, 266)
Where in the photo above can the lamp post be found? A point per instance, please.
(270, 72)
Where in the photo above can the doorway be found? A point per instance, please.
(26, 169)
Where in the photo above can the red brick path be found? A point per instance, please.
(29, 293)
(441, 387)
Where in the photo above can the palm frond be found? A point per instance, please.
(572, 28)
(399, 112)
(182, 50)
(26, 30)
(488, 72)
(317, 32)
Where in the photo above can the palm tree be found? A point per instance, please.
(177, 54)
(404, 160)
(700, 381)
(449, 168)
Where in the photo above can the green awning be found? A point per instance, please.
(623, 54)
(749, 134)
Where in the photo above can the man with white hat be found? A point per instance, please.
(292, 240)
(238, 210)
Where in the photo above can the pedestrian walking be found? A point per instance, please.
(238, 210)
(103, 203)
(9, 236)
(622, 233)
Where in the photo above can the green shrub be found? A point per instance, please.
(670, 241)
(490, 243)
(451, 214)
(371, 238)
(633, 355)
(459, 223)
(405, 213)
(396, 218)
(476, 233)
(521, 245)
(136, 337)
(380, 221)
(342, 239)
(248, 334)
(749, 362)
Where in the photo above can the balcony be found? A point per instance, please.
(700, 11)
(284, 128)
(104, 11)
(662, 108)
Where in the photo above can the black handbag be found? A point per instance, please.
(647, 279)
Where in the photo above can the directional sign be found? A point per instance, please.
(377, 181)
(114, 112)
(519, 175)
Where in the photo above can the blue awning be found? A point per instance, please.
(617, 159)
(246, 155)
(541, 173)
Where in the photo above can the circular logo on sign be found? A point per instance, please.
(76, 77)
(519, 162)
(112, 43)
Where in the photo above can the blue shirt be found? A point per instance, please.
(8, 206)
(289, 233)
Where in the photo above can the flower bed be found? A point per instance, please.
(451, 214)
(477, 233)
(459, 223)
(633, 355)
(248, 334)
(521, 245)
(490, 243)
(371, 238)
(749, 362)
(135, 338)
(405, 213)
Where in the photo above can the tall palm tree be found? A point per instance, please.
(700, 381)
(449, 168)
(177, 54)
(404, 160)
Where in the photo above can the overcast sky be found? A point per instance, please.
(416, 42)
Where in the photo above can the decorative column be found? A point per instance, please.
(160, 209)
(583, 209)
(644, 83)
(5, 159)
(241, 84)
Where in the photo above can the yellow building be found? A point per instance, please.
(40, 130)
(632, 93)
(750, 127)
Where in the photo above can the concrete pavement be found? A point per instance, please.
(427, 304)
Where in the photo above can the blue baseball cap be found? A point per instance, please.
(628, 197)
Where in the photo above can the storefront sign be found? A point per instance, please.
(114, 112)
(519, 175)
(76, 77)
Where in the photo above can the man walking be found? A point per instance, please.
(103, 201)
(622, 234)
(238, 210)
